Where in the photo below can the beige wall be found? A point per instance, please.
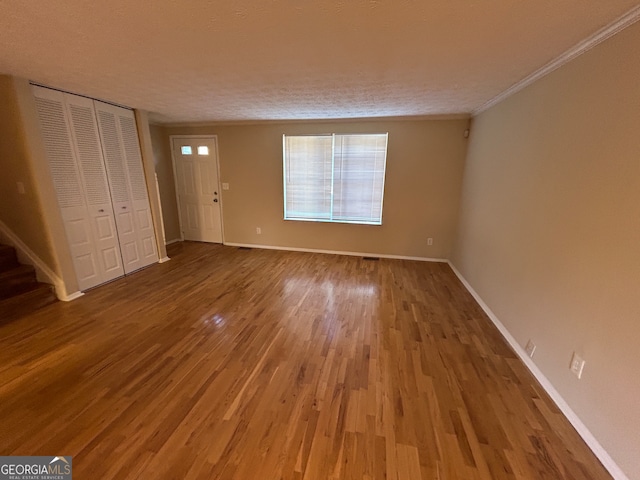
(549, 234)
(424, 170)
(20, 212)
(164, 171)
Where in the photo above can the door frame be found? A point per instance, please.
(175, 178)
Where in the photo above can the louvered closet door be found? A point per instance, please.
(139, 193)
(128, 187)
(94, 178)
(68, 185)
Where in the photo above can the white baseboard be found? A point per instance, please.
(71, 297)
(591, 441)
(336, 252)
(43, 271)
(164, 259)
(175, 240)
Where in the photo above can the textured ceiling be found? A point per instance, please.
(239, 60)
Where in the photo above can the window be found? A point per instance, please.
(185, 150)
(203, 150)
(334, 178)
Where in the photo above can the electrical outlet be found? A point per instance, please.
(577, 365)
(429, 241)
(21, 188)
(258, 230)
(225, 186)
(530, 348)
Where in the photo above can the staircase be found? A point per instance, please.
(20, 292)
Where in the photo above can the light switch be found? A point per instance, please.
(225, 186)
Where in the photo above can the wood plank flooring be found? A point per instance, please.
(253, 364)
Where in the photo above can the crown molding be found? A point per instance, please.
(236, 123)
(606, 32)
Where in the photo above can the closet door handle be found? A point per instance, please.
(101, 210)
(124, 208)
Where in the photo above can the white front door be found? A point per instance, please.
(197, 188)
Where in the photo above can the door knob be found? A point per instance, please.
(215, 193)
(215, 200)
(101, 210)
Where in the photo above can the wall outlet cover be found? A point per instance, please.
(577, 365)
(530, 348)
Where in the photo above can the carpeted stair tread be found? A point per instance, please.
(25, 303)
(8, 258)
(17, 280)
(20, 291)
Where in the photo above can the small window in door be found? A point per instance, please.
(185, 150)
(203, 150)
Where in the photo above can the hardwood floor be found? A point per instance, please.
(252, 364)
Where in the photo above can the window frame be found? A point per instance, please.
(332, 220)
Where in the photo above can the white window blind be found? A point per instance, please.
(334, 178)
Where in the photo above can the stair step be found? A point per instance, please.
(26, 302)
(20, 292)
(17, 280)
(8, 258)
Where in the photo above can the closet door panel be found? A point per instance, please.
(119, 185)
(129, 242)
(122, 150)
(67, 182)
(144, 223)
(79, 236)
(140, 198)
(94, 177)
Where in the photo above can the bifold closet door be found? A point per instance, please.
(123, 160)
(71, 140)
(84, 129)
